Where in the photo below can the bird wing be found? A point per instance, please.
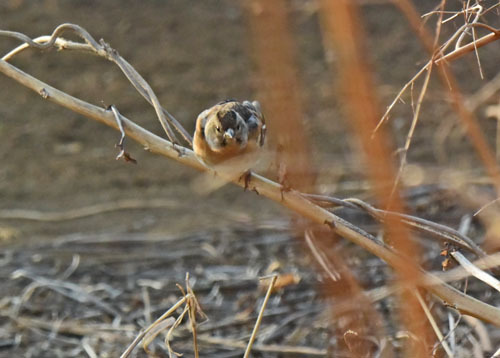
(255, 121)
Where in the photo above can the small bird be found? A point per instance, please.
(228, 138)
(228, 130)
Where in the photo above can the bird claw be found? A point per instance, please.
(181, 151)
(247, 177)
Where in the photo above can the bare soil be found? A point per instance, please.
(193, 53)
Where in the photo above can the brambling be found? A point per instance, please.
(227, 130)
(229, 135)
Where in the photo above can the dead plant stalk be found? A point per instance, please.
(292, 199)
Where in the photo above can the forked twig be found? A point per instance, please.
(444, 58)
(59, 30)
(265, 187)
(191, 307)
(470, 123)
(101, 49)
(194, 308)
(416, 112)
(477, 9)
(121, 144)
(158, 321)
(170, 332)
(433, 229)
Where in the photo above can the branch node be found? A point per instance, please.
(44, 93)
(331, 224)
(181, 151)
(123, 154)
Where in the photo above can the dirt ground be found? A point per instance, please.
(193, 53)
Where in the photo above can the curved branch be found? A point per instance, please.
(265, 187)
(102, 50)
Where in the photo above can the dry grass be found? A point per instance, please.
(412, 311)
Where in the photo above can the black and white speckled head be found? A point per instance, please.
(226, 128)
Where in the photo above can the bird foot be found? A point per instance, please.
(247, 177)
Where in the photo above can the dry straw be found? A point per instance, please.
(340, 25)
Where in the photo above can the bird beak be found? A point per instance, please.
(229, 134)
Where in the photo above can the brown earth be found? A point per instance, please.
(193, 53)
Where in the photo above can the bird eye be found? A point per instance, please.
(238, 127)
(218, 129)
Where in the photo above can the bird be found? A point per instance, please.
(229, 136)
(227, 130)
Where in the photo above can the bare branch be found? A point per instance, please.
(102, 50)
(265, 187)
(434, 230)
(476, 271)
(455, 54)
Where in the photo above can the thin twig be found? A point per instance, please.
(451, 56)
(67, 289)
(73, 327)
(459, 52)
(451, 332)
(147, 304)
(416, 113)
(475, 271)
(59, 30)
(88, 349)
(121, 144)
(194, 308)
(496, 354)
(475, 43)
(170, 332)
(397, 98)
(434, 325)
(481, 331)
(103, 50)
(478, 10)
(320, 258)
(271, 348)
(86, 211)
(259, 317)
(144, 332)
(433, 229)
(470, 123)
(265, 187)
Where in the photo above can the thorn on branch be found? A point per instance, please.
(330, 224)
(111, 53)
(44, 93)
(123, 154)
(126, 156)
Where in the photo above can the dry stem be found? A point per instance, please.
(259, 317)
(265, 187)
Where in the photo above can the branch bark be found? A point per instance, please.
(293, 200)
